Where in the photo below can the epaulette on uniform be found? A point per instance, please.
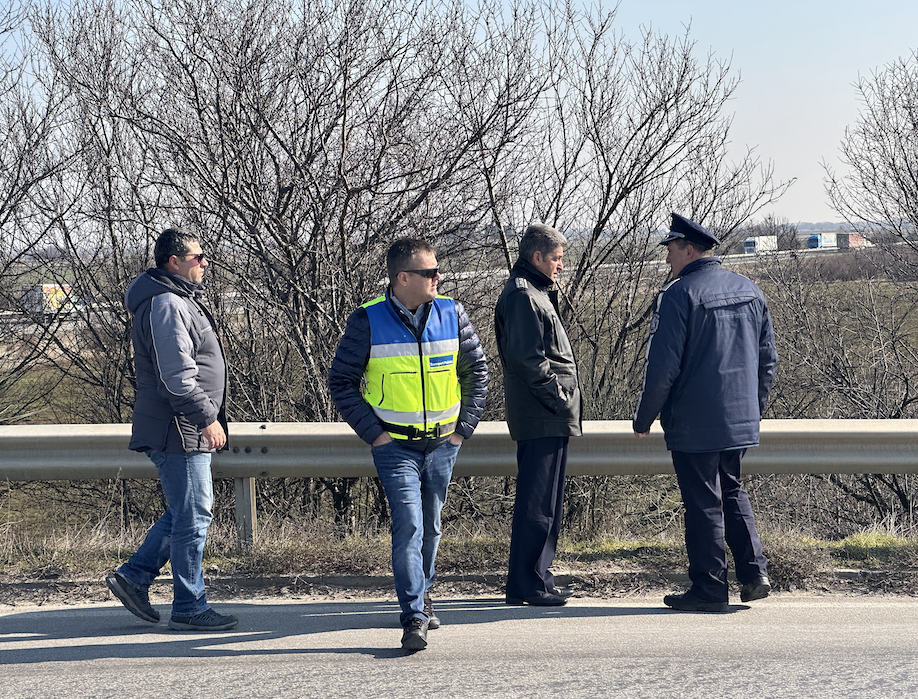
(669, 284)
(665, 288)
(521, 283)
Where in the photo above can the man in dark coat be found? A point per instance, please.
(542, 403)
(710, 364)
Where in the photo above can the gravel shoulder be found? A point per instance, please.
(59, 589)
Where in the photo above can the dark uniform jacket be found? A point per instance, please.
(353, 353)
(181, 373)
(710, 361)
(541, 390)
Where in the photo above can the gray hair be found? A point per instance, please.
(540, 238)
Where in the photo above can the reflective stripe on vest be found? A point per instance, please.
(412, 385)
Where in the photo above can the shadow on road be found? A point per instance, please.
(91, 633)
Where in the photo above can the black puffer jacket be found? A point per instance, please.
(353, 353)
(181, 372)
(541, 388)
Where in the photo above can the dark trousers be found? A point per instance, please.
(717, 510)
(537, 514)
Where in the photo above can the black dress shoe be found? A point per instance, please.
(561, 591)
(759, 588)
(688, 602)
(539, 599)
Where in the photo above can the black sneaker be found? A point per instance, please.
(433, 621)
(415, 636)
(688, 602)
(136, 601)
(759, 588)
(208, 620)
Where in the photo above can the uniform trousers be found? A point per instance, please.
(717, 511)
(537, 514)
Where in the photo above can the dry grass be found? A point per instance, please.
(71, 552)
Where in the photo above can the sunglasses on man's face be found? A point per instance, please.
(429, 273)
(200, 257)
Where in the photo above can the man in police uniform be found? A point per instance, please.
(710, 364)
(410, 378)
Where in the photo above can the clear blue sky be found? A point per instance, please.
(798, 61)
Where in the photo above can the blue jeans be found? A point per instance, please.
(179, 535)
(415, 485)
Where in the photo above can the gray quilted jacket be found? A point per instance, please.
(181, 373)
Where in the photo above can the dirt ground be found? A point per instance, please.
(53, 589)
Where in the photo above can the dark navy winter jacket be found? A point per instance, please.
(710, 361)
(353, 353)
(181, 372)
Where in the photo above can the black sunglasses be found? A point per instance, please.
(429, 273)
(200, 257)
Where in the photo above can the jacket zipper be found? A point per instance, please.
(423, 387)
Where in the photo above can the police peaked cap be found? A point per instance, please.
(681, 227)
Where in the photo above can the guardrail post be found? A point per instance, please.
(246, 519)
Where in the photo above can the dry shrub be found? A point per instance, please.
(794, 563)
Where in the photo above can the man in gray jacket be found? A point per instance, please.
(542, 404)
(179, 419)
(710, 363)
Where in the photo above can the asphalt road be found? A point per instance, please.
(791, 645)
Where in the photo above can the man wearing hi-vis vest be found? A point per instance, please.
(410, 378)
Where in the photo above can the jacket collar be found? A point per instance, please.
(522, 268)
(703, 263)
(176, 284)
(417, 320)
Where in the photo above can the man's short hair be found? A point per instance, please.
(683, 243)
(398, 259)
(540, 238)
(172, 241)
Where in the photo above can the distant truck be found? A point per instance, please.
(851, 240)
(761, 243)
(822, 240)
(47, 299)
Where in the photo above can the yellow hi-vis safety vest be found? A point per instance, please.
(412, 384)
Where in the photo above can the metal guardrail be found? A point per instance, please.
(278, 450)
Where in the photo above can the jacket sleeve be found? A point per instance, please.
(664, 359)
(174, 353)
(472, 369)
(524, 351)
(346, 374)
(768, 360)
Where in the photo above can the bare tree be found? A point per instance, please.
(848, 350)
(30, 114)
(630, 133)
(879, 193)
(300, 138)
